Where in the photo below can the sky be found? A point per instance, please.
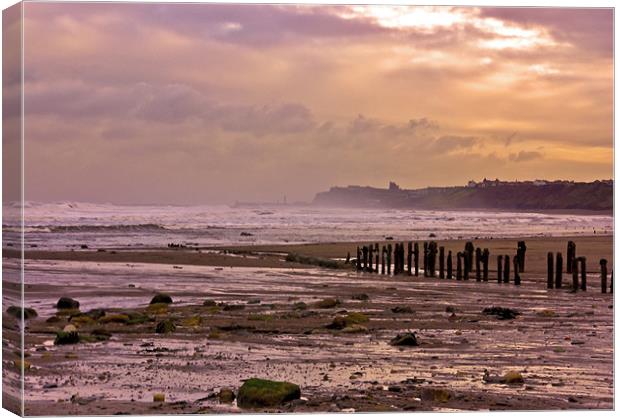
(195, 104)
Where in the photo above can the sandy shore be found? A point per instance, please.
(561, 343)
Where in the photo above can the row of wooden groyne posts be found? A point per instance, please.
(374, 259)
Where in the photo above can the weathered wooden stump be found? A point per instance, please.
(389, 259)
(376, 257)
(521, 248)
(468, 259)
(582, 265)
(506, 268)
(416, 257)
(365, 254)
(396, 261)
(500, 262)
(485, 264)
(459, 267)
(358, 261)
(442, 263)
(370, 251)
(603, 263)
(409, 257)
(559, 266)
(425, 259)
(478, 262)
(517, 278)
(348, 260)
(449, 265)
(432, 258)
(575, 275)
(571, 249)
(550, 270)
(611, 283)
(383, 251)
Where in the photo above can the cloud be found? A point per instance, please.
(523, 156)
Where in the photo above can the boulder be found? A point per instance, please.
(16, 311)
(407, 339)
(327, 303)
(161, 298)
(226, 395)
(166, 326)
(342, 322)
(257, 393)
(67, 303)
(68, 335)
(501, 313)
(209, 303)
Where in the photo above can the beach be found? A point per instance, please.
(269, 318)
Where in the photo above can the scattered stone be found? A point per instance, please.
(407, 339)
(209, 303)
(16, 311)
(436, 395)
(509, 378)
(233, 307)
(501, 313)
(226, 395)
(402, 310)
(161, 298)
(300, 306)
(254, 302)
(67, 303)
(327, 303)
(266, 393)
(164, 327)
(342, 322)
(361, 296)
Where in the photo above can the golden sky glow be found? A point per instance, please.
(188, 103)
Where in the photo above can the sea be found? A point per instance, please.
(68, 225)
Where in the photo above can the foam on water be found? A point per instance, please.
(65, 225)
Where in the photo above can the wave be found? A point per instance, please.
(102, 228)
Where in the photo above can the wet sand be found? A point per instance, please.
(561, 342)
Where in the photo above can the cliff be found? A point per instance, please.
(559, 195)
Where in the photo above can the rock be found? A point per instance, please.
(67, 336)
(361, 296)
(254, 302)
(327, 303)
(22, 365)
(246, 234)
(159, 397)
(67, 303)
(501, 313)
(233, 307)
(209, 303)
(436, 395)
(407, 339)
(256, 393)
(546, 313)
(300, 306)
(161, 298)
(52, 319)
(226, 395)
(95, 314)
(353, 329)
(118, 318)
(450, 309)
(166, 326)
(402, 310)
(509, 378)
(16, 311)
(342, 322)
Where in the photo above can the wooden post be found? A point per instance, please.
(485, 265)
(559, 265)
(365, 253)
(582, 262)
(550, 270)
(468, 258)
(425, 259)
(570, 256)
(358, 261)
(348, 260)
(416, 257)
(506, 268)
(389, 259)
(376, 257)
(459, 267)
(442, 263)
(409, 257)
(603, 263)
(499, 268)
(611, 283)
(396, 262)
(370, 251)
(449, 261)
(478, 261)
(521, 248)
(575, 275)
(516, 268)
(383, 259)
(432, 258)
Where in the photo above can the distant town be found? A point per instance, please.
(486, 194)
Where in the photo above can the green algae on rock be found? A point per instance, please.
(266, 393)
